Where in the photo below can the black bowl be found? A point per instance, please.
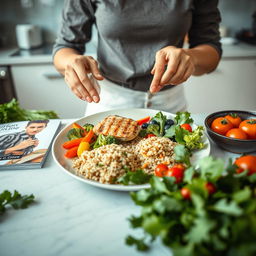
(227, 143)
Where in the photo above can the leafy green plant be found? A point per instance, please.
(15, 200)
(134, 178)
(12, 112)
(219, 222)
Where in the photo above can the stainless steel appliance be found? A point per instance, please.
(7, 91)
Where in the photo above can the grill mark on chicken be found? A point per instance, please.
(120, 127)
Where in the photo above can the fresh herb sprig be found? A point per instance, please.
(15, 200)
(12, 112)
(222, 223)
(134, 178)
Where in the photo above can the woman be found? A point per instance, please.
(140, 60)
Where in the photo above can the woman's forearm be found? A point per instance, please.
(63, 57)
(205, 57)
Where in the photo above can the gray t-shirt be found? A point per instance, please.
(130, 32)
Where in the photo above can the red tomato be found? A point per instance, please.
(177, 172)
(249, 127)
(247, 162)
(161, 170)
(181, 166)
(150, 135)
(185, 192)
(237, 133)
(234, 119)
(143, 120)
(186, 127)
(210, 188)
(221, 125)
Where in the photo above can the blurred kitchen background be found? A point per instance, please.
(30, 76)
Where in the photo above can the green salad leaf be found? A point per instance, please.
(160, 118)
(183, 118)
(134, 178)
(12, 112)
(222, 222)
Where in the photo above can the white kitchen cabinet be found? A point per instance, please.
(231, 86)
(41, 87)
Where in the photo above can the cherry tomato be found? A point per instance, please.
(210, 188)
(161, 170)
(150, 135)
(234, 119)
(247, 162)
(177, 172)
(249, 127)
(186, 127)
(181, 166)
(237, 133)
(185, 192)
(221, 125)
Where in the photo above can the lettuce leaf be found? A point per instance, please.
(12, 112)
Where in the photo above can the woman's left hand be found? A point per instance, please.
(172, 66)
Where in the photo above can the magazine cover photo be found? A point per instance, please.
(26, 141)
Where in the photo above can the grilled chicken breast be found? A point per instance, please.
(120, 127)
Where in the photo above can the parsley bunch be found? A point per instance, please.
(12, 112)
(220, 224)
(16, 200)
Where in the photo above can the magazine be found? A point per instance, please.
(25, 144)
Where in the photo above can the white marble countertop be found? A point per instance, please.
(69, 216)
(239, 50)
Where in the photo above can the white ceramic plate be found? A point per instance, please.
(134, 113)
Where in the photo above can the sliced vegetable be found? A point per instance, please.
(76, 125)
(71, 143)
(150, 135)
(88, 137)
(186, 127)
(72, 152)
(83, 146)
(143, 120)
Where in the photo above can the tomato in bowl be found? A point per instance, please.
(238, 137)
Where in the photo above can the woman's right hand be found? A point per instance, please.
(77, 73)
